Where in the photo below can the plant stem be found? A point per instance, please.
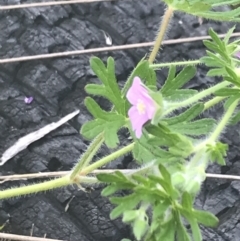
(44, 186)
(180, 63)
(88, 155)
(196, 97)
(222, 124)
(162, 31)
(213, 102)
(107, 159)
(66, 180)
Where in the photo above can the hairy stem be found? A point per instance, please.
(107, 159)
(66, 180)
(39, 187)
(180, 63)
(222, 124)
(195, 98)
(213, 102)
(87, 156)
(162, 31)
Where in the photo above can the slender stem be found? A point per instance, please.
(222, 124)
(162, 31)
(195, 98)
(88, 155)
(213, 102)
(66, 180)
(180, 63)
(44, 186)
(107, 159)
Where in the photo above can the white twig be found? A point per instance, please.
(25, 141)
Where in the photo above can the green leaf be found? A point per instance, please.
(165, 174)
(129, 216)
(182, 78)
(99, 69)
(230, 31)
(167, 231)
(187, 201)
(180, 95)
(94, 89)
(182, 234)
(215, 38)
(235, 119)
(217, 152)
(216, 72)
(144, 72)
(187, 115)
(206, 218)
(195, 128)
(230, 100)
(106, 122)
(227, 92)
(110, 88)
(139, 228)
(110, 189)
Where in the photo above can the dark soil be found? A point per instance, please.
(57, 86)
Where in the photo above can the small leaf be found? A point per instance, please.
(229, 34)
(206, 218)
(168, 230)
(182, 78)
(195, 128)
(186, 116)
(139, 228)
(94, 89)
(187, 201)
(129, 216)
(230, 100)
(235, 119)
(99, 69)
(107, 122)
(165, 174)
(180, 95)
(227, 92)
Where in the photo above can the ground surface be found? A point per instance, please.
(57, 87)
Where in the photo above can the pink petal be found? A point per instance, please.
(28, 100)
(137, 120)
(136, 91)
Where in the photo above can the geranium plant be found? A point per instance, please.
(172, 150)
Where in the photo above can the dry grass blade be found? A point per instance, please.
(62, 173)
(222, 176)
(24, 238)
(45, 4)
(104, 49)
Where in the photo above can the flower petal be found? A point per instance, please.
(136, 91)
(137, 120)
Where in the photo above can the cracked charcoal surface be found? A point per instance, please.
(57, 86)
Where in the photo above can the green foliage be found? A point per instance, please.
(175, 82)
(106, 122)
(206, 8)
(220, 59)
(109, 87)
(217, 152)
(168, 206)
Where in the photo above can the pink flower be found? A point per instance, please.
(28, 100)
(143, 106)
